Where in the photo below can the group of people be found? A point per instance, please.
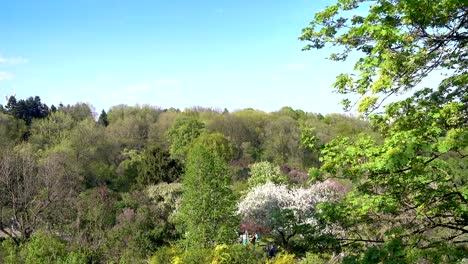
(252, 238)
(270, 249)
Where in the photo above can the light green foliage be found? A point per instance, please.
(42, 248)
(282, 137)
(217, 143)
(410, 193)
(402, 41)
(157, 131)
(221, 254)
(311, 258)
(50, 131)
(129, 126)
(78, 111)
(9, 252)
(235, 254)
(253, 124)
(283, 258)
(11, 130)
(165, 255)
(263, 172)
(95, 215)
(182, 134)
(91, 149)
(208, 204)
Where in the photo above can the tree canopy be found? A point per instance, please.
(411, 189)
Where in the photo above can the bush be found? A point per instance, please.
(233, 254)
(42, 248)
(195, 256)
(283, 258)
(9, 252)
(312, 258)
(165, 255)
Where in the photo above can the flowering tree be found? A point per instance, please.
(286, 211)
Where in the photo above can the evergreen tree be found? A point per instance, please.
(103, 118)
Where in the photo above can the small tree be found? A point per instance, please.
(103, 119)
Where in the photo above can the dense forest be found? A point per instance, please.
(142, 184)
(117, 186)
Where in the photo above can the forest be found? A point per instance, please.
(143, 184)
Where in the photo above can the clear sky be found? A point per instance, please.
(180, 53)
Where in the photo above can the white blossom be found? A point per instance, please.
(263, 201)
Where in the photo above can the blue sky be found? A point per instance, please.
(233, 54)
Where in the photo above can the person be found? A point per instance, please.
(244, 239)
(253, 238)
(271, 250)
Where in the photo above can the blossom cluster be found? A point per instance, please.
(262, 202)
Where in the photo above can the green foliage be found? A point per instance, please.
(102, 120)
(282, 138)
(217, 143)
(408, 191)
(9, 252)
(50, 131)
(235, 254)
(194, 256)
(43, 248)
(78, 111)
(165, 255)
(283, 258)
(12, 130)
(26, 110)
(208, 204)
(221, 254)
(312, 258)
(402, 41)
(129, 126)
(156, 165)
(263, 172)
(182, 134)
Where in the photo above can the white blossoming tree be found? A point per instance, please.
(287, 212)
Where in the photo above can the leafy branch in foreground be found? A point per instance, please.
(412, 188)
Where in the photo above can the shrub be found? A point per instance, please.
(165, 255)
(283, 258)
(233, 254)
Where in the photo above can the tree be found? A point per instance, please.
(50, 131)
(286, 211)
(407, 189)
(263, 172)
(129, 126)
(78, 111)
(217, 143)
(282, 137)
(208, 204)
(103, 118)
(156, 165)
(29, 190)
(11, 130)
(27, 109)
(182, 134)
